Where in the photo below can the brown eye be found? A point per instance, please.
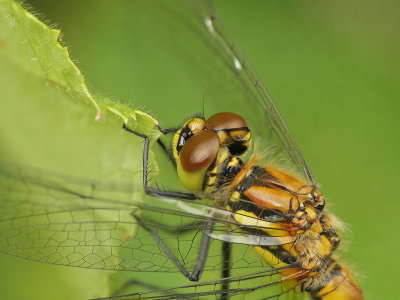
(226, 120)
(232, 132)
(199, 151)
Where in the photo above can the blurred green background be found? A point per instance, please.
(332, 69)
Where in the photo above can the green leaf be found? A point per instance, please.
(33, 47)
(50, 119)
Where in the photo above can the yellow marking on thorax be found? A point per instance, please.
(269, 257)
(244, 172)
(235, 196)
(289, 249)
(251, 220)
(277, 263)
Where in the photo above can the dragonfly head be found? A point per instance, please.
(199, 143)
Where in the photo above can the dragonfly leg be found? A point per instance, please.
(162, 145)
(181, 229)
(202, 255)
(167, 152)
(148, 189)
(133, 282)
(226, 254)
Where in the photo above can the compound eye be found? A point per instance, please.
(232, 131)
(199, 151)
(190, 128)
(226, 120)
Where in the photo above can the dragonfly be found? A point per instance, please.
(71, 221)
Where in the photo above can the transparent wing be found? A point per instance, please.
(63, 220)
(258, 100)
(56, 219)
(261, 99)
(249, 286)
